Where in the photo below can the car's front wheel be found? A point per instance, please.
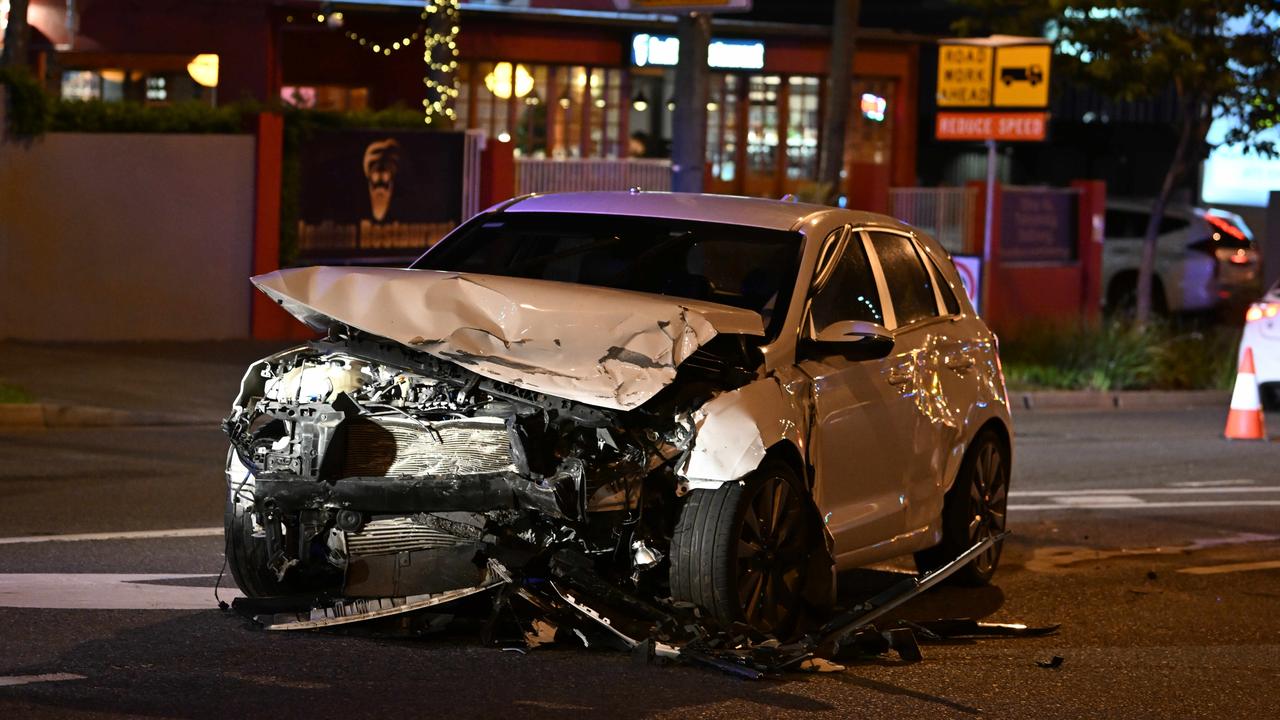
(974, 509)
(246, 544)
(751, 551)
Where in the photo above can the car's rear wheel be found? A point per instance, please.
(749, 551)
(974, 509)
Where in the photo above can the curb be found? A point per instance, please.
(1118, 400)
(47, 415)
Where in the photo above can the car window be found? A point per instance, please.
(746, 267)
(1125, 223)
(1170, 224)
(949, 300)
(850, 293)
(910, 286)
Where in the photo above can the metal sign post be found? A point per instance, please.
(983, 74)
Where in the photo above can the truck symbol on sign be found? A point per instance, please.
(1030, 74)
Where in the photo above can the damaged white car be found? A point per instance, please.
(706, 399)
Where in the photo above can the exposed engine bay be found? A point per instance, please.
(368, 470)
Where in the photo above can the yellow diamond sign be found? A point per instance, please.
(1021, 76)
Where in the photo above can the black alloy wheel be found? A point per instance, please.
(975, 508)
(746, 551)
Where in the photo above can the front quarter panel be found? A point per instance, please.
(734, 430)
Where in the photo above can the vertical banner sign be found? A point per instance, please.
(377, 194)
(970, 269)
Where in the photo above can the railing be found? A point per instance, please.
(541, 175)
(947, 214)
(472, 152)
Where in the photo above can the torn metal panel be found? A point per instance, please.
(344, 612)
(600, 346)
(734, 430)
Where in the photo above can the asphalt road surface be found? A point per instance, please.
(1152, 541)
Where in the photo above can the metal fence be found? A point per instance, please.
(541, 175)
(948, 214)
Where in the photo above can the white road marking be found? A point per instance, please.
(1231, 568)
(1144, 491)
(1212, 483)
(1151, 505)
(1095, 499)
(102, 591)
(128, 535)
(8, 680)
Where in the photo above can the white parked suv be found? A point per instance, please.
(1262, 335)
(716, 399)
(1205, 258)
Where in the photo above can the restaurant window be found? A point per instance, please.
(335, 98)
(870, 131)
(762, 123)
(158, 87)
(722, 126)
(802, 126)
(545, 110)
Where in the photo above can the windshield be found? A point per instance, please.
(746, 267)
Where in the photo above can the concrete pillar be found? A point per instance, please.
(689, 121)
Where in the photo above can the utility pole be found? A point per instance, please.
(689, 120)
(15, 36)
(836, 113)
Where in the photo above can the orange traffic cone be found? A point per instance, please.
(1244, 421)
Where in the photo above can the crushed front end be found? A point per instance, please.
(373, 478)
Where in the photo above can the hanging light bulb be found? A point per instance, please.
(671, 104)
(640, 103)
(565, 99)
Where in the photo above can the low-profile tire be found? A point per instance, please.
(246, 552)
(975, 508)
(751, 551)
(247, 556)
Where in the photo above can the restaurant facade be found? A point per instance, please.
(577, 80)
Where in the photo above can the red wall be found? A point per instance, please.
(1020, 294)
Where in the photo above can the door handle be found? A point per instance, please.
(898, 378)
(961, 363)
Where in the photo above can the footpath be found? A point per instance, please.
(137, 383)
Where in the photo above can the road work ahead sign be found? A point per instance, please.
(994, 72)
(1022, 76)
(989, 75)
(964, 76)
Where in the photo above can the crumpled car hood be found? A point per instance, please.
(600, 346)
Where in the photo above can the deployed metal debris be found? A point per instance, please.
(573, 597)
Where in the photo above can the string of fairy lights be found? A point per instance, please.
(439, 51)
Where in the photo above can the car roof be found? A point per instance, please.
(731, 209)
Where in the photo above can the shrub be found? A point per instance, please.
(1118, 356)
(28, 104)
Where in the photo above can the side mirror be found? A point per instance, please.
(856, 335)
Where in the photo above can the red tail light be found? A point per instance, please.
(1224, 225)
(1258, 311)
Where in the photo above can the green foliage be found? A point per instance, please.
(125, 117)
(28, 106)
(1221, 57)
(13, 394)
(1120, 356)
